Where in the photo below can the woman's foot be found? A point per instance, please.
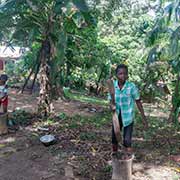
(175, 158)
(128, 153)
(129, 150)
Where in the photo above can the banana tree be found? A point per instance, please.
(25, 22)
(163, 40)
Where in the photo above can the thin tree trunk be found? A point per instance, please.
(68, 73)
(35, 76)
(3, 124)
(175, 95)
(97, 84)
(27, 79)
(32, 70)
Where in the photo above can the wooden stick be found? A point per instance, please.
(116, 126)
(111, 90)
(115, 118)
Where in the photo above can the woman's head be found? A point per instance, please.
(122, 73)
(3, 79)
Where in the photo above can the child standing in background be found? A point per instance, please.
(3, 92)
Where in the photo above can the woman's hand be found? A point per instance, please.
(112, 107)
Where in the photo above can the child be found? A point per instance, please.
(126, 94)
(3, 92)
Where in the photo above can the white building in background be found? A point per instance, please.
(9, 54)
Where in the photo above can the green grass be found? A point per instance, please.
(88, 136)
(97, 120)
(84, 98)
(78, 121)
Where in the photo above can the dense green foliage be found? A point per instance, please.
(89, 38)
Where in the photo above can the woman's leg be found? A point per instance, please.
(127, 136)
(5, 104)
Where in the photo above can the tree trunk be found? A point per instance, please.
(97, 83)
(56, 89)
(27, 79)
(68, 73)
(35, 66)
(35, 76)
(174, 104)
(45, 100)
(122, 169)
(3, 124)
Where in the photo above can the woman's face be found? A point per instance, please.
(1, 82)
(122, 75)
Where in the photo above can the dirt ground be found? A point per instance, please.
(28, 102)
(75, 155)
